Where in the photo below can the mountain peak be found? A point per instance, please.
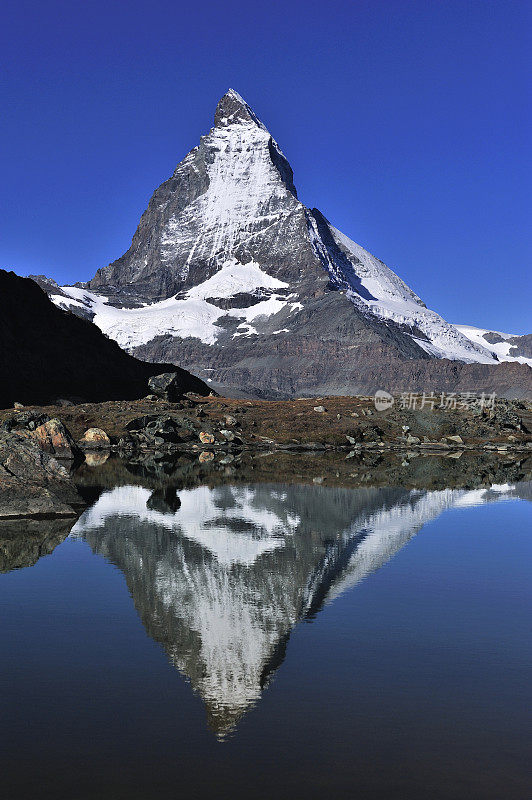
(246, 283)
(232, 108)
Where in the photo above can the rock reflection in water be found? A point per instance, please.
(221, 579)
(24, 541)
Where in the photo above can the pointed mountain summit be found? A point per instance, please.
(226, 201)
(229, 274)
(232, 108)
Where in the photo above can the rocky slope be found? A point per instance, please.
(47, 353)
(231, 275)
(225, 425)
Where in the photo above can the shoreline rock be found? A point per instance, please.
(32, 482)
(95, 439)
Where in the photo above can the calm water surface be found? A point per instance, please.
(270, 641)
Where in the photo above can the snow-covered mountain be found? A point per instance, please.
(222, 582)
(232, 276)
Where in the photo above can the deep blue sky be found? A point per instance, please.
(406, 124)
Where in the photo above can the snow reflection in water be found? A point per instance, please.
(221, 582)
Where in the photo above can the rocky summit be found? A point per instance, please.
(232, 277)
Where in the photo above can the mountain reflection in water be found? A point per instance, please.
(220, 576)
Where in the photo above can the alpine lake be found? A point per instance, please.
(283, 627)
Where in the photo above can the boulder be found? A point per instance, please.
(33, 483)
(53, 437)
(153, 429)
(50, 434)
(95, 439)
(169, 386)
(206, 438)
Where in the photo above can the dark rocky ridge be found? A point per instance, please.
(47, 353)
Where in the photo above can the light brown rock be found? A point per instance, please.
(95, 439)
(457, 439)
(54, 438)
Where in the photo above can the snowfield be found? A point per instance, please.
(379, 292)
(189, 316)
(501, 349)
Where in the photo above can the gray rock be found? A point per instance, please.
(156, 429)
(168, 386)
(51, 435)
(33, 483)
(27, 420)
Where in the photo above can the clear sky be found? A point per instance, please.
(405, 121)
